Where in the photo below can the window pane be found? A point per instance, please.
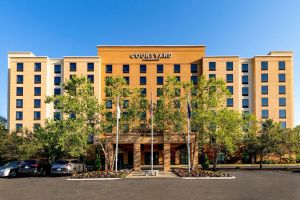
(264, 78)
(264, 114)
(194, 80)
(19, 115)
(90, 67)
(160, 68)
(127, 80)
(229, 78)
(109, 69)
(281, 65)
(37, 91)
(194, 68)
(176, 68)
(159, 92)
(72, 67)
(143, 91)
(230, 88)
(264, 65)
(245, 91)
(143, 68)
(281, 77)
(57, 69)
(57, 80)
(212, 66)
(245, 103)
(37, 79)
(143, 80)
(57, 91)
(282, 114)
(37, 115)
(19, 91)
(160, 80)
(108, 104)
(229, 66)
(244, 79)
(281, 89)
(213, 76)
(125, 68)
(264, 89)
(282, 101)
(283, 124)
(20, 67)
(20, 79)
(37, 103)
(37, 67)
(229, 102)
(19, 103)
(264, 101)
(90, 78)
(245, 67)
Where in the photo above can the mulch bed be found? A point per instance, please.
(102, 174)
(199, 173)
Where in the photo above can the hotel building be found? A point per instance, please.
(262, 85)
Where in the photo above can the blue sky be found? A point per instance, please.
(232, 27)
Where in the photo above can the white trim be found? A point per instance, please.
(143, 45)
(209, 178)
(93, 179)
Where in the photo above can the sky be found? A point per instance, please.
(59, 28)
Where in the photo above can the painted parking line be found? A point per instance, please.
(209, 178)
(93, 179)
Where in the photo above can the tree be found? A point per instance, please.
(267, 139)
(251, 132)
(80, 119)
(225, 132)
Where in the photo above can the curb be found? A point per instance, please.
(209, 178)
(93, 179)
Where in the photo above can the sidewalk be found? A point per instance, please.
(161, 174)
(249, 166)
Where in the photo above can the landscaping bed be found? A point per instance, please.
(199, 173)
(101, 174)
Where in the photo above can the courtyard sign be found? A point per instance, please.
(150, 56)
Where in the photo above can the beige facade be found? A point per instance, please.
(262, 85)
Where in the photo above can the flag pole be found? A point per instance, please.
(151, 133)
(117, 133)
(188, 139)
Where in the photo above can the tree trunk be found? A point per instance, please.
(260, 162)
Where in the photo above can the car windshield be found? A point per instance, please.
(60, 162)
(10, 164)
(29, 162)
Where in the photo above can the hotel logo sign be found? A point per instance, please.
(150, 56)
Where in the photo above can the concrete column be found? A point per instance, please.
(137, 156)
(196, 160)
(167, 157)
(177, 157)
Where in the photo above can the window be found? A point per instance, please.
(143, 80)
(264, 65)
(125, 126)
(126, 78)
(20, 67)
(72, 76)
(176, 68)
(177, 78)
(143, 68)
(212, 66)
(143, 92)
(264, 114)
(126, 104)
(108, 92)
(229, 66)
(19, 115)
(108, 104)
(283, 124)
(20, 79)
(264, 101)
(160, 68)
(108, 69)
(264, 89)
(57, 80)
(143, 116)
(72, 67)
(194, 80)
(245, 103)
(159, 92)
(176, 103)
(19, 127)
(282, 101)
(244, 79)
(36, 125)
(245, 67)
(19, 91)
(37, 91)
(177, 92)
(19, 103)
(90, 78)
(57, 69)
(229, 102)
(37, 79)
(90, 67)
(194, 68)
(281, 77)
(159, 80)
(281, 89)
(281, 65)
(213, 76)
(282, 114)
(56, 116)
(37, 115)
(125, 68)
(37, 103)
(245, 91)
(57, 91)
(230, 89)
(229, 78)
(264, 78)
(37, 67)
(72, 116)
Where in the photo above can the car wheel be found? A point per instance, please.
(12, 174)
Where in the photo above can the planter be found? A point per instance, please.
(200, 173)
(102, 175)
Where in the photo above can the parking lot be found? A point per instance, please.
(249, 184)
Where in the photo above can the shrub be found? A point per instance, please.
(205, 162)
